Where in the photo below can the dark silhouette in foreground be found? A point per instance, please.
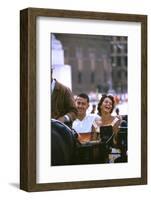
(66, 149)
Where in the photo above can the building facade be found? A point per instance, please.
(98, 63)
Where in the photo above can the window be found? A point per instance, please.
(92, 77)
(79, 77)
(118, 61)
(119, 74)
(125, 60)
(125, 48)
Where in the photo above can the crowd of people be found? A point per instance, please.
(73, 112)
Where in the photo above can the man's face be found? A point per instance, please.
(82, 105)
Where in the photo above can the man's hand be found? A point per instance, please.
(61, 119)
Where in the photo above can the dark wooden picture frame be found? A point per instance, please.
(28, 98)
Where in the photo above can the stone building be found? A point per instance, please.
(119, 63)
(98, 63)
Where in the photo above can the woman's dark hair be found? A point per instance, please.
(104, 96)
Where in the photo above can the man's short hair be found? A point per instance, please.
(83, 95)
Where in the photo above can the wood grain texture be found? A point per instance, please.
(27, 101)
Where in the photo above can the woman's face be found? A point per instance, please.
(107, 105)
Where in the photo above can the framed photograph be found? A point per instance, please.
(90, 54)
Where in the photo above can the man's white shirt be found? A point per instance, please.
(85, 125)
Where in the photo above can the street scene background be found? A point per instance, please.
(92, 64)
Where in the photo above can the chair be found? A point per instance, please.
(111, 152)
(123, 142)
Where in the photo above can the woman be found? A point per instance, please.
(108, 127)
(105, 108)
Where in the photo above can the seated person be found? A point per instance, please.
(84, 125)
(105, 108)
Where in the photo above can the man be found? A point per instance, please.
(85, 123)
(62, 103)
(64, 110)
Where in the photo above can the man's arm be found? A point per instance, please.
(70, 107)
